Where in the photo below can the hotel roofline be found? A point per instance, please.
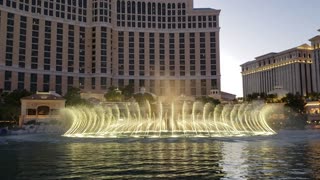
(315, 38)
(274, 54)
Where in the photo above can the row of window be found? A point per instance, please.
(173, 40)
(101, 11)
(75, 10)
(180, 22)
(277, 59)
(126, 12)
(9, 39)
(34, 82)
(47, 45)
(173, 61)
(46, 78)
(143, 8)
(173, 55)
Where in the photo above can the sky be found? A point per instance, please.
(250, 28)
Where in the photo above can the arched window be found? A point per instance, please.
(139, 7)
(31, 112)
(118, 6)
(143, 8)
(163, 9)
(153, 8)
(149, 8)
(123, 7)
(133, 7)
(159, 9)
(43, 110)
(129, 6)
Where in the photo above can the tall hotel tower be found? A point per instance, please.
(168, 47)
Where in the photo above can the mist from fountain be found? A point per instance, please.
(176, 120)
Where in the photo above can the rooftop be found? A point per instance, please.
(51, 95)
(315, 38)
(273, 54)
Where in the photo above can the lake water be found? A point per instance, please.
(287, 155)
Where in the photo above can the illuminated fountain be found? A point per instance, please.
(175, 120)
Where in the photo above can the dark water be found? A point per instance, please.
(287, 155)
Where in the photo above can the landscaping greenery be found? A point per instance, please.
(73, 97)
(206, 99)
(296, 117)
(10, 105)
(126, 93)
(142, 98)
(114, 95)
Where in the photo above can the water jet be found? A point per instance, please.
(163, 121)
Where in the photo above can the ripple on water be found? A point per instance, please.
(274, 157)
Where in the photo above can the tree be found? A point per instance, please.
(205, 99)
(255, 96)
(10, 104)
(295, 111)
(295, 102)
(272, 98)
(114, 95)
(73, 97)
(127, 91)
(142, 98)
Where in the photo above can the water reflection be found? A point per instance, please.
(248, 158)
(234, 161)
(313, 156)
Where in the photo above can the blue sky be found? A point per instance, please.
(250, 28)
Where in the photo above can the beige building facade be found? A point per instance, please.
(42, 106)
(315, 44)
(168, 47)
(291, 69)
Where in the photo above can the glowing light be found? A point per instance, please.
(275, 65)
(177, 120)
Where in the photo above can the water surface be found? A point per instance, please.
(287, 155)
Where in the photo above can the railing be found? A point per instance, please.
(313, 117)
(38, 118)
(30, 117)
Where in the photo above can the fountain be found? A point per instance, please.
(176, 120)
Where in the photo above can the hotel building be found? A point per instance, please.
(315, 44)
(290, 69)
(168, 47)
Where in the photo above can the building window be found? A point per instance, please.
(7, 80)
(9, 41)
(59, 47)
(70, 82)
(104, 49)
(33, 82)
(59, 84)
(82, 49)
(81, 83)
(103, 83)
(71, 48)
(35, 44)
(46, 83)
